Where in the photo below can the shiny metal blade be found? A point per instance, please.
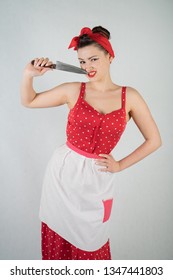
(69, 68)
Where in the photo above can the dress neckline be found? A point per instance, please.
(91, 107)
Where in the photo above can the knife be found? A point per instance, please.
(65, 67)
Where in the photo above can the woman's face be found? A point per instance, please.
(95, 62)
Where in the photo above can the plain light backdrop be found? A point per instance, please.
(141, 35)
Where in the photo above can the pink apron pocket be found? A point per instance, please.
(107, 209)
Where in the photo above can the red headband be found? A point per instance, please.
(97, 37)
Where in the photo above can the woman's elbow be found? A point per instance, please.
(156, 143)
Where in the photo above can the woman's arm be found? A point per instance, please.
(50, 98)
(141, 115)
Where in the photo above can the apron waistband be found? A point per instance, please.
(83, 153)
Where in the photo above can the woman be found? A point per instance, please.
(78, 186)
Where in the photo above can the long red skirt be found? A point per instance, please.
(54, 247)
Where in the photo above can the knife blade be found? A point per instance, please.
(65, 67)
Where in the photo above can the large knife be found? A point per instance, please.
(65, 67)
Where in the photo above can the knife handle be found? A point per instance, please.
(52, 66)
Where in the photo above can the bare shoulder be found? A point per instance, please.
(138, 108)
(71, 86)
(132, 93)
(72, 92)
(68, 87)
(134, 99)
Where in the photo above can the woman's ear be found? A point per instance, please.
(110, 59)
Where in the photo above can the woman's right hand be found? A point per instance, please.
(38, 68)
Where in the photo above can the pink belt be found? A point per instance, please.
(83, 153)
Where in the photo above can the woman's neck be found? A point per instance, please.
(102, 85)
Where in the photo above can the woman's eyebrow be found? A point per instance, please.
(88, 57)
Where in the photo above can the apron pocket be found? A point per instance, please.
(107, 209)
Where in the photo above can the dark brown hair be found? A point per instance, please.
(85, 40)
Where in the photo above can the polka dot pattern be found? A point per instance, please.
(54, 247)
(94, 132)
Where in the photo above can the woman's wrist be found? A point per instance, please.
(119, 166)
(27, 75)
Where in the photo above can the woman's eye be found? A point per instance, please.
(94, 59)
(82, 62)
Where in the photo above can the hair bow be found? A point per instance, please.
(97, 37)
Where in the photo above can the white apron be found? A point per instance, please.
(77, 199)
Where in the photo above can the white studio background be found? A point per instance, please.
(141, 32)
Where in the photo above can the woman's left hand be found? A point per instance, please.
(111, 165)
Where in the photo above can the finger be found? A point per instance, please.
(103, 169)
(101, 160)
(39, 61)
(44, 62)
(49, 63)
(104, 155)
(44, 70)
(108, 159)
(101, 163)
(36, 61)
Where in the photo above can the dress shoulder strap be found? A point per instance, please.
(82, 90)
(123, 97)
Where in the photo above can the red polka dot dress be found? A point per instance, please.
(54, 247)
(94, 132)
(77, 198)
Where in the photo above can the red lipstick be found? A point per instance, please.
(91, 74)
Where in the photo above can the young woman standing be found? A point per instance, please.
(78, 186)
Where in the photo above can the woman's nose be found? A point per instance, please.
(88, 67)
